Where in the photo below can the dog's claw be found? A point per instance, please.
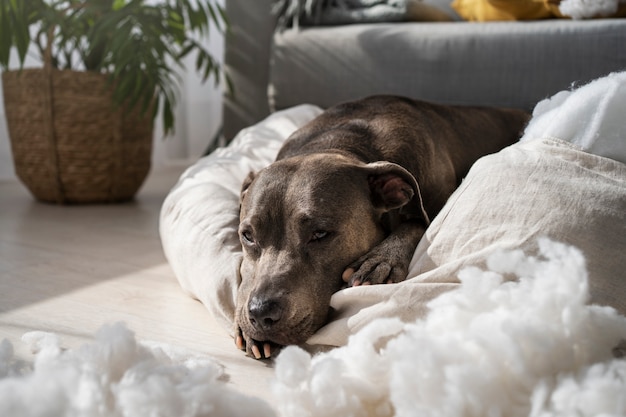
(370, 273)
(253, 347)
(239, 342)
(347, 274)
(256, 352)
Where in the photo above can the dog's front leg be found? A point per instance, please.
(388, 262)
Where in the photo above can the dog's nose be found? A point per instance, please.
(264, 313)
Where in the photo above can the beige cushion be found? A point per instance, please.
(543, 188)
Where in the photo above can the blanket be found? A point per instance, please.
(293, 13)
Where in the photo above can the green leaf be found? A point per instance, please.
(118, 4)
(186, 50)
(223, 14)
(199, 61)
(155, 108)
(168, 116)
(199, 19)
(14, 31)
(208, 68)
(5, 35)
(230, 87)
(214, 17)
(21, 34)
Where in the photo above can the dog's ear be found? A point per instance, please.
(246, 183)
(393, 187)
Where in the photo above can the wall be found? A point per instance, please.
(6, 163)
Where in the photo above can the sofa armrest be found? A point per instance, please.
(247, 61)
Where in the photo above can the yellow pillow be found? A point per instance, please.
(489, 10)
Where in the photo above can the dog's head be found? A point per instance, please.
(303, 220)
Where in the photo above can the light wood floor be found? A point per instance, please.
(69, 270)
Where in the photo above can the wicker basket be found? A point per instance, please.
(69, 144)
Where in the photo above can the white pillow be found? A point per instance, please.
(200, 216)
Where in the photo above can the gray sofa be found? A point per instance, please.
(511, 64)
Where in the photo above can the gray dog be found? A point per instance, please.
(346, 202)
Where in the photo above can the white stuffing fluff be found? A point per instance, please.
(590, 116)
(115, 376)
(585, 9)
(531, 347)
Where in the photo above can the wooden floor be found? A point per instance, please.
(71, 269)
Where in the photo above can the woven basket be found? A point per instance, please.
(69, 144)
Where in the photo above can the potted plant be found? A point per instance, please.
(81, 124)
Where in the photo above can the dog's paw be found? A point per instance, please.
(254, 348)
(388, 262)
(376, 267)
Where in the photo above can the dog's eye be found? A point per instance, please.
(318, 235)
(247, 237)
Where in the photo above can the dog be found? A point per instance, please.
(346, 202)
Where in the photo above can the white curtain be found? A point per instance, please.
(198, 119)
